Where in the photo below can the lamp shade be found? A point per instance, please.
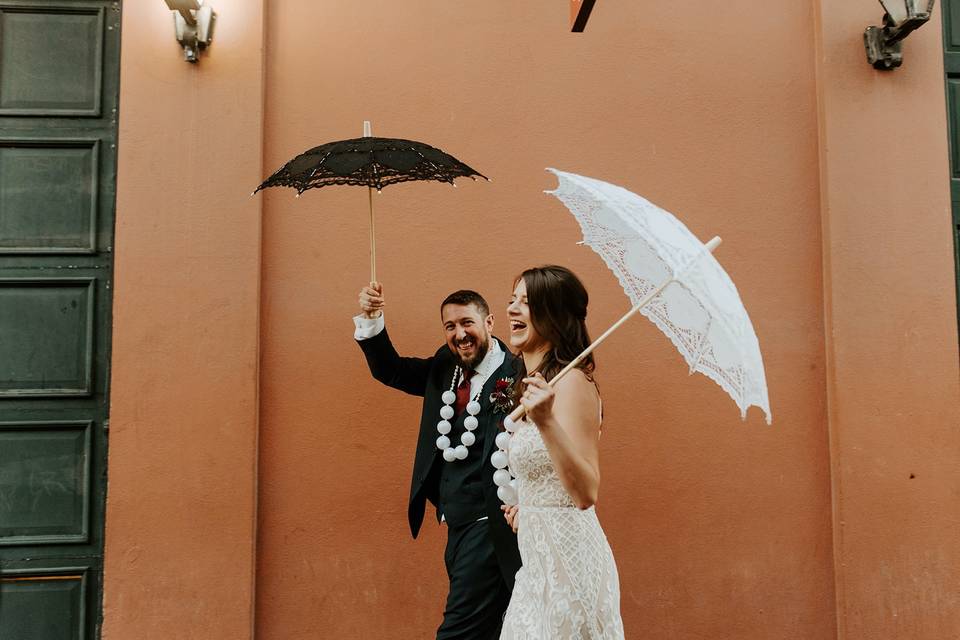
(901, 10)
(896, 9)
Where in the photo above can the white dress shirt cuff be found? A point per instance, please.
(366, 328)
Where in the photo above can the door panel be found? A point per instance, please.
(951, 47)
(44, 605)
(51, 60)
(52, 200)
(59, 76)
(44, 482)
(46, 336)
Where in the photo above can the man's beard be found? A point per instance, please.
(482, 347)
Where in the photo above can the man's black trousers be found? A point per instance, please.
(478, 595)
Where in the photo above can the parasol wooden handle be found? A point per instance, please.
(520, 411)
(373, 228)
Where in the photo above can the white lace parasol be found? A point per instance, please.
(673, 279)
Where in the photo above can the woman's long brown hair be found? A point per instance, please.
(558, 311)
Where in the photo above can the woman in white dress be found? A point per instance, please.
(568, 586)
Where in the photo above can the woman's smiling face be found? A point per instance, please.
(523, 335)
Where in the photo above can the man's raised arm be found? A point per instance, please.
(387, 366)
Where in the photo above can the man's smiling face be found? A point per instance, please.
(467, 332)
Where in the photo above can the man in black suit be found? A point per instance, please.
(452, 469)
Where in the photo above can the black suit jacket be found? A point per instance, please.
(429, 378)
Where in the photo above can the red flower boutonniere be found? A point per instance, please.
(502, 396)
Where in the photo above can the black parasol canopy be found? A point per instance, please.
(370, 162)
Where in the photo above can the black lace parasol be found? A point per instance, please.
(370, 162)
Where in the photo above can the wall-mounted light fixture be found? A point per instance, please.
(193, 25)
(884, 44)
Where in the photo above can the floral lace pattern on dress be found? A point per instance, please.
(568, 587)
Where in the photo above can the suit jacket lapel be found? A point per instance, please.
(492, 416)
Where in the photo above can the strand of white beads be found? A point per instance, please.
(506, 483)
(470, 423)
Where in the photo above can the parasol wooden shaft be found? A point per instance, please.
(373, 227)
(373, 242)
(520, 411)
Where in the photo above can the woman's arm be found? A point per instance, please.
(568, 417)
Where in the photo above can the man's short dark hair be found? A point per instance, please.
(465, 297)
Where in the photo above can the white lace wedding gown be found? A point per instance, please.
(568, 587)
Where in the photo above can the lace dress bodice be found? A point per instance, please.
(539, 484)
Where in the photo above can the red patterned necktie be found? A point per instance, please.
(463, 392)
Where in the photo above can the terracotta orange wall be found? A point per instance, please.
(890, 314)
(722, 529)
(808, 529)
(182, 465)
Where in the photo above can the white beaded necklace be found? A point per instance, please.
(506, 483)
(470, 423)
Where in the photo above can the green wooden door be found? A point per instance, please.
(951, 46)
(59, 75)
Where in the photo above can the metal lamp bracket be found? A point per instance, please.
(884, 44)
(194, 30)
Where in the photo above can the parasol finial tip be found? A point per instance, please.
(714, 243)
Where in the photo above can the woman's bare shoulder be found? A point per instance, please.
(578, 384)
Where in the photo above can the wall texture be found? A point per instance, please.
(769, 136)
(891, 330)
(181, 498)
(706, 515)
